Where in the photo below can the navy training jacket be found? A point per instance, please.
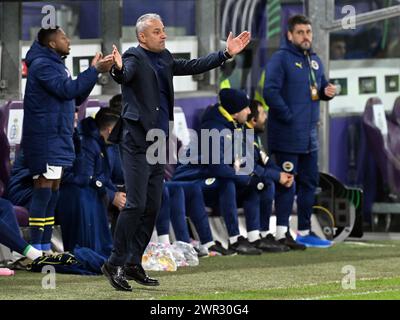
(49, 106)
(91, 167)
(293, 116)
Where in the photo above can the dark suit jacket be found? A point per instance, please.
(140, 90)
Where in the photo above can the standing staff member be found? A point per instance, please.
(294, 86)
(49, 107)
(146, 73)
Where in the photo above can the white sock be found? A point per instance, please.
(32, 253)
(281, 232)
(304, 233)
(164, 239)
(209, 244)
(253, 235)
(264, 233)
(233, 239)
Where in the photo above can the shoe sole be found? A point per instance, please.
(147, 284)
(219, 254)
(141, 283)
(297, 248)
(274, 250)
(291, 247)
(113, 284)
(230, 255)
(318, 246)
(250, 253)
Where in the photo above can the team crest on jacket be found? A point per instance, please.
(210, 181)
(315, 65)
(288, 166)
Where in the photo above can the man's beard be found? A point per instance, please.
(259, 130)
(300, 46)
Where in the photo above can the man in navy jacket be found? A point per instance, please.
(48, 125)
(87, 188)
(220, 180)
(295, 83)
(271, 174)
(146, 74)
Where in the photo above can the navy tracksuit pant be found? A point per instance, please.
(144, 186)
(228, 195)
(305, 167)
(9, 229)
(181, 199)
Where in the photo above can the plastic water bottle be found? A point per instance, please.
(12, 154)
(6, 272)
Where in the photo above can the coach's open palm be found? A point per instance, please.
(117, 58)
(102, 64)
(236, 45)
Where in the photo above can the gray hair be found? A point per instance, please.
(141, 23)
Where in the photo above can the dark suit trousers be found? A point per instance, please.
(144, 185)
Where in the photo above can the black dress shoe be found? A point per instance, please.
(269, 244)
(291, 243)
(137, 273)
(243, 246)
(220, 250)
(116, 276)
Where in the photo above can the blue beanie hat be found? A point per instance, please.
(233, 100)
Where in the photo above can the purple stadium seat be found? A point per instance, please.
(1, 188)
(379, 131)
(395, 116)
(12, 105)
(104, 104)
(82, 110)
(12, 124)
(5, 166)
(88, 107)
(394, 129)
(22, 216)
(3, 113)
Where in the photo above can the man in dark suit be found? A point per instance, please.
(145, 74)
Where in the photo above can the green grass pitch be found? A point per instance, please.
(312, 274)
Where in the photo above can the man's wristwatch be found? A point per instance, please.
(226, 54)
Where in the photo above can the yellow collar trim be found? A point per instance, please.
(226, 114)
(249, 125)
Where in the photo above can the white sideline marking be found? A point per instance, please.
(350, 294)
(372, 245)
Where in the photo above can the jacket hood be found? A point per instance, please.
(37, 51)
(210, 113)
(88, 127)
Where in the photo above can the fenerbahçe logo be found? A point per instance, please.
(210, 181)
(288, 166)
(315, 65)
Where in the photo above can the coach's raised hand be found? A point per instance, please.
(117, 58)
(102, 64)
(237, 44)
